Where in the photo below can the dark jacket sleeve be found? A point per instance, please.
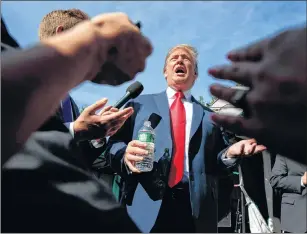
(51, 193)
(281, 180)
(117, 145)
(220, 148)
(90, 153)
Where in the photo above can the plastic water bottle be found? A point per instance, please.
(146, 134)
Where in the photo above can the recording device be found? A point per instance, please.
(132, 91)
(154, 120)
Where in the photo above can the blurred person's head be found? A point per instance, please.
(60, 20)
(180, 67)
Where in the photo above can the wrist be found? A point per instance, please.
(80, 132)
(229, 155)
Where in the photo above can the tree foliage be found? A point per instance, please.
(82, 109)
(207, 104)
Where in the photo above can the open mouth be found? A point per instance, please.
(180, 70)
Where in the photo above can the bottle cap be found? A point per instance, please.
(147, 123)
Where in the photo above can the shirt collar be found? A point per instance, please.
(170, 92)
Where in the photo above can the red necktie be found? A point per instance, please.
(178, 121)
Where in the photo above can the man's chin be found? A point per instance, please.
(180, 80)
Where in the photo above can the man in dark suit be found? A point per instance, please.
(179, 194)
(290, 178)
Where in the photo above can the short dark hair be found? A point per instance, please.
(66, 18)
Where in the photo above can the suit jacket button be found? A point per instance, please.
(160, 183)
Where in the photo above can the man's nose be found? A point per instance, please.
(180, 60)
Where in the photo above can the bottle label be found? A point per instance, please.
(149, 139)
(146, 137)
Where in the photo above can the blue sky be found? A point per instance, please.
(213, 27)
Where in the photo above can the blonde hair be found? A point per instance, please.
(66, 18)
(187, 47)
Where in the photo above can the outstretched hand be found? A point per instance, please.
(107, 122)
(275, 71)
(244, 148)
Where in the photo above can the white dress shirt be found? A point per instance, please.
(188, 106)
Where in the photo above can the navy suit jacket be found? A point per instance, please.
(143, 193)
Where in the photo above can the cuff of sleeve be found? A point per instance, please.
(302, 184)
(225, 158)
(98, 143)
(124, 165)
(229, 162)
(71, 129)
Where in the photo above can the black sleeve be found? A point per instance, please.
(43, 190)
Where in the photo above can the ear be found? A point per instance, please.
(165, 74)
(59, 29)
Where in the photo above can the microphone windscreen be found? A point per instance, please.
(135, 89)
(154, 120)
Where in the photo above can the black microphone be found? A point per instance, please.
(154, 120)
(132, 91)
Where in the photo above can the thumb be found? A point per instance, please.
(96, 106)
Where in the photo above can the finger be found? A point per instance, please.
(104, 110)
(131, 167)
(241, 73)
(260, 148)
(114, 109)
(119, 114)
(253, 52)
(112, 118)
(224, 93)
(252, 141)
(250, 149)
(136, 143)
(133, 158)
(137, 151)
(108, 111)
(96, 106)
(236, 124)
(144, 49)
(146, 46)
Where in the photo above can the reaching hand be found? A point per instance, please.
(128, 48)
(244, 148)
(107, 122)
(275, 70)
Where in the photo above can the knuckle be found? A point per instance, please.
(234, 69)
(262, 72)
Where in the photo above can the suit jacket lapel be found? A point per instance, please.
(75, 109)
(163, 107)
(197, 118)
